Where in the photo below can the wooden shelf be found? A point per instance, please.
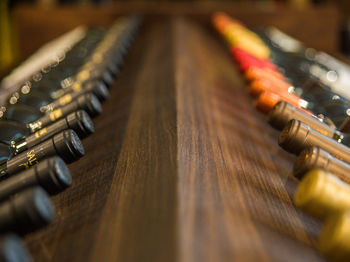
(181, 167)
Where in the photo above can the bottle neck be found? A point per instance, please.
(19, 145)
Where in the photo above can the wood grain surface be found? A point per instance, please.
(181, 167)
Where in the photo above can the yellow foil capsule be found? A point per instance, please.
(321, 194)
(334, 240)
(259, 51)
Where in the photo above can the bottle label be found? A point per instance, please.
(31, 160)
(65, 99)
(83, 75)
(40, 132)
(76, 87)
(56, 114)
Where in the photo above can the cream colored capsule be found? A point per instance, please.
(334, 241)
(321, 194)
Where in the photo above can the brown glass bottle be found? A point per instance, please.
(87, 102)
(51, 174)
(297, 136)
(26, 211)
(66, 144)
(314, 157)
(283, 112)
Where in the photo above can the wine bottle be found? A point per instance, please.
(95, 73)
(100, 68)
(315, 157)
(79, 121)
(37, 120)
(334, 106)
(44, 102)
(297, 136)
(89, 72)
(33, 99)
(51, 174)
(21, 113)
(283, 112)
(75, 89)
(293, 58)
(67, 95)
(20, 137)
(66, 145)
(301, 69)
(79, 52)
(26, 211)
(334, 111)
(319, 101)
(327, 69)
(49, 80)
(106, 59)
(34, 92)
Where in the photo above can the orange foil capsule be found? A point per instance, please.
(259, 86)
(267, 100)
(220, 24)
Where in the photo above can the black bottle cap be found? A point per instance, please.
(293, 136)
(278, 116)
(81, 123)
(12, 249)
(90, 104)
(68, 146)
(107, 78)
(32, 209)
(310, 158)
(53, 175)
(99, 89)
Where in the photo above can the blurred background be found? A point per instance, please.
(27, 24)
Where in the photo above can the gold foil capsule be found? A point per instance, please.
(321, 194)
(334, 241)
